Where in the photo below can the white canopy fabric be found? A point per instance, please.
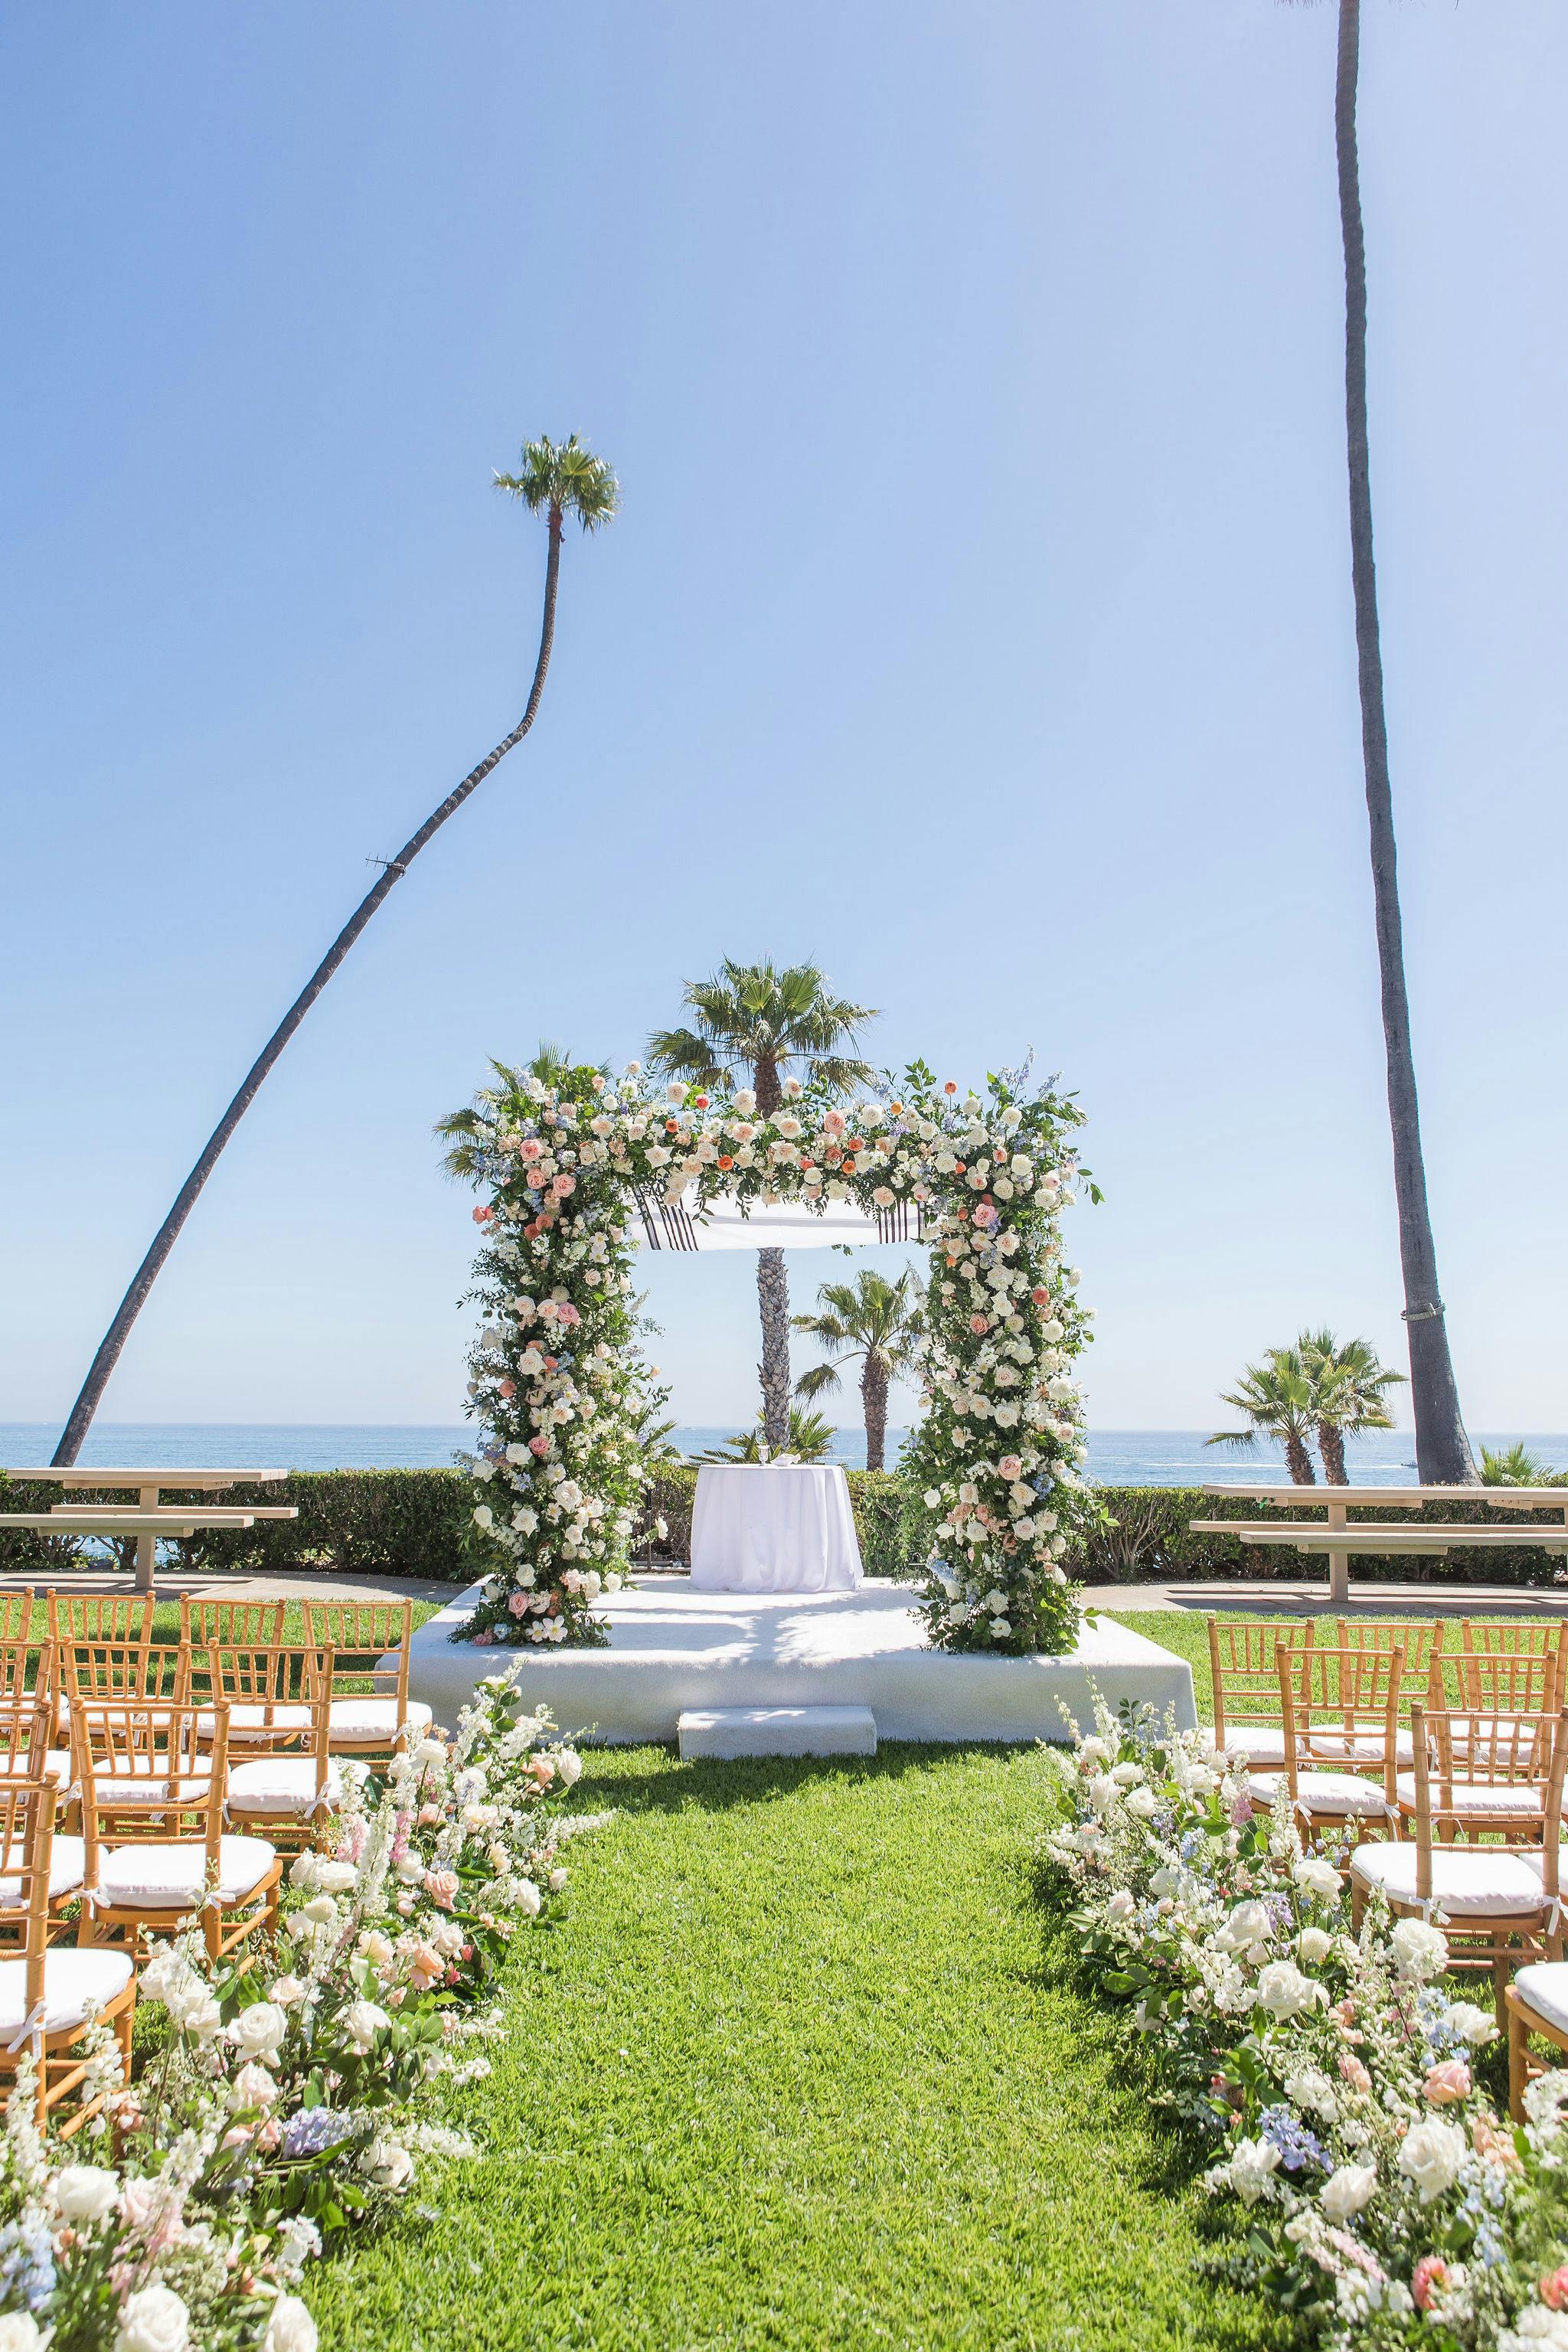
(788, 1224)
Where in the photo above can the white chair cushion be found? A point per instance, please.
(376, 1718)
(1518, 1801)
(1543, 1986)
(78, 1985)
(1256, 1742)
(247, 1723)
(172, 1877)
(1533, 1861)
(68, 1866)
(57, 1766)
(281, 1784)
(1323, 1792)
(1489, 1884)
(1329, 1741)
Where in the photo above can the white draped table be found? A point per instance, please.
(773, 1528)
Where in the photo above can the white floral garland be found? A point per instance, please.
(560, 1390)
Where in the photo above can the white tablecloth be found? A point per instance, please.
(773, 1528)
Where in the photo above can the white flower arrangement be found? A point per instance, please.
(1387, 2202)
(288, 2097)
(559, 1391)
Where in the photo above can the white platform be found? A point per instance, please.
(672, 1650)
(777, 1731)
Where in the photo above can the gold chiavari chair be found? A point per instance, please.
(1519, 1690)
(370, 1642)
(290, 1790)
(255, 1624)
(16, 1616)
(1487, 1876)
(1340, 1710)
(152, 1813)
(51, 1996)
(1244, 1663)
(98, 1616)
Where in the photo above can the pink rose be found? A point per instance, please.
(483, 1216)
(441, 1887)
(985, 1215)
(1009, 1468)
(505, 1388)
(540, 1445)
(566, 1313)
(835, 1122)
(1554, 2289)
(1447, 2083)
(517, 1605)
(531, 1148)
(426, 1967)
(978, 1323)
(563, 1187)
(1428, 2280)
(483, 1641)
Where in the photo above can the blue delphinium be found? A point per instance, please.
(1284, 2129)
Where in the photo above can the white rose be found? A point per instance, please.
(529, 1899)
(360, 2022)
(1315, 1877)
(258, 2031)
(1314, 1944)
(85, 2192)
(290, 2327)
(19, 2332)
(484, 1516)
(194, 2010)
(388, 2164)
(287, 1991)
(1142, 1804)
(1474, 2026)
(1431, 2153)
(1420, 1952)
(569, 1764)
(1127, 1776)
(1348, 2189)
(1284, 1991)
(254, 2087)
(154, 2320)
(1121, 1908)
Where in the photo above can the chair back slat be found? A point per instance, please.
(360, 1634)
(270, 1679)
(16, 1616)
(1244, 1663)
(1341, 1710)
(105, 1670)
(1525, 1661)
(204, 1622)
(25, 1727)
(15, 1660)
(99, 1616)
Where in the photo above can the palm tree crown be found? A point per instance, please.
(808, 1438)
(1348, 1384)
(873, 1321)
(1277, 1399)
(753, 1018)
(564, 477)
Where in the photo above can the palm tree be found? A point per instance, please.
(1348, 1384)
(1516, 1466)
(1277, 1398)
(1442, 1450)
(808, 1436)
(751, 1017)
(873, 1321)
(557, 479)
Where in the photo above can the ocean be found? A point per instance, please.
(1117, 1457)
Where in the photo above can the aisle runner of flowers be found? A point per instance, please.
(560, 1392)
(286, 2101)
(1387, 2201)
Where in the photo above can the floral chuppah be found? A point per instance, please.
(560, 1390)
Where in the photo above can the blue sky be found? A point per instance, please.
(978, 621)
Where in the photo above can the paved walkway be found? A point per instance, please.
(1277, 1597)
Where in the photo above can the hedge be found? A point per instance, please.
(414, 1523)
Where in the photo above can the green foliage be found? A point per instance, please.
(811, 1437)
(563, 478)
(869, 1318)
(751, 1017)
(1516, 1465)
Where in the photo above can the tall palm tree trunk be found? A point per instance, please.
(874, 1399)
(1298, 1460)
(131, 1305)
(1442, 1449)
(1332, 1446)
(773, 1296)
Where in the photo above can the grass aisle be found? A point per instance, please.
(794, 2074)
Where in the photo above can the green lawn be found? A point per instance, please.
(800, 2070)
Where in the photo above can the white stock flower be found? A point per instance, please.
(85, 2192)
(1534, 2328)
(290, 2327)
(1347, 2190)
(1430, 2155)
(154, 2320)
(1121, 1908)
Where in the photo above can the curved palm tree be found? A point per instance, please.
(873, 1321)
(556, 480)
(1277, 1399)
(751, 1017)
(1348, 1385)
(1442, 1450)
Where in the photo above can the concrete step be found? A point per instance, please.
(778, 1731)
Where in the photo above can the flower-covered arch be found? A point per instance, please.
(560, 1390)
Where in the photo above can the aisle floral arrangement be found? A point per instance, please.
(1386, 2200)
(288, 2099)
(568, 1160)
